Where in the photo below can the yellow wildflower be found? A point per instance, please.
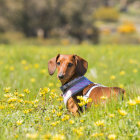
(100, 134)
(26, 68)
(43, 91)
(135, 70)
(112, 77)
(81, 104)
(36, 106)
(20, 100)
(60, 107)
(111, 115)
(58, 85)
(94, 135)
(32, 80)
(8, 95)
(60, 99)
(47, 118)
(82, 120)
(2, 107)
(122, 112)
(23, 62)
(58, 137)
(111, 136)
(31, 102)
(26, 90)
(122, 73)
(99, 123)
(71, 121)
(137, 100)
(46, 89)
(121, 85)
(12, 68)
(132, 102)
(103, 97)
(12, 106)
(7, 89)
(54, 123)
(43, 71)
(66, 117)
(97, 134)
(131, 61)
(83, 101)
(138, 123)
(79, 131)
(21, 95)
(36, 101)
(26, 111)
(59, 114)
(32, 136)
(53, 90)
(16, 136)
(15, 93)
(36, 66)
(12, 99)
(50, 84)
(53, 111)
(46, 136)
(19, 122)
(53, 95)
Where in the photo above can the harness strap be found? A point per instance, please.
(69, 94)
(86, 96)
(71, 83)
(74, 89)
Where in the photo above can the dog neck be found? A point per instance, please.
(72, 78)
(71, 83)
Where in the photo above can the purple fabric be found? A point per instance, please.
(77, 87)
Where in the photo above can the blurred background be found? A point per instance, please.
(42, 22)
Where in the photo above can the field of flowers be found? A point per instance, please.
(31, 106)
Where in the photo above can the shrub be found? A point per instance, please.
(108, 14)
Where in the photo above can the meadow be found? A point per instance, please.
(31, 106)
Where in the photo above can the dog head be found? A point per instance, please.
(67, 66)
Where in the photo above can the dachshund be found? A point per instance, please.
(71, 70)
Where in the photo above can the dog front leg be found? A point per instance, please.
(72, 107)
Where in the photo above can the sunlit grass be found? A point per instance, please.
(31, 106)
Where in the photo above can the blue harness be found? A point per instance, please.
(75, 86)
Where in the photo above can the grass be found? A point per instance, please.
(31, 106)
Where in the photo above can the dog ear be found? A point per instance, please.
(81, 65)
(52, 64)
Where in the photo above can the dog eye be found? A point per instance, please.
(70, 64)
(58, 63)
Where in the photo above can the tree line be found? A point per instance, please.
(53, 18)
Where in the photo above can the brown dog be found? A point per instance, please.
(71, 69)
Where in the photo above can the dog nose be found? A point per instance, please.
(61, 76)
